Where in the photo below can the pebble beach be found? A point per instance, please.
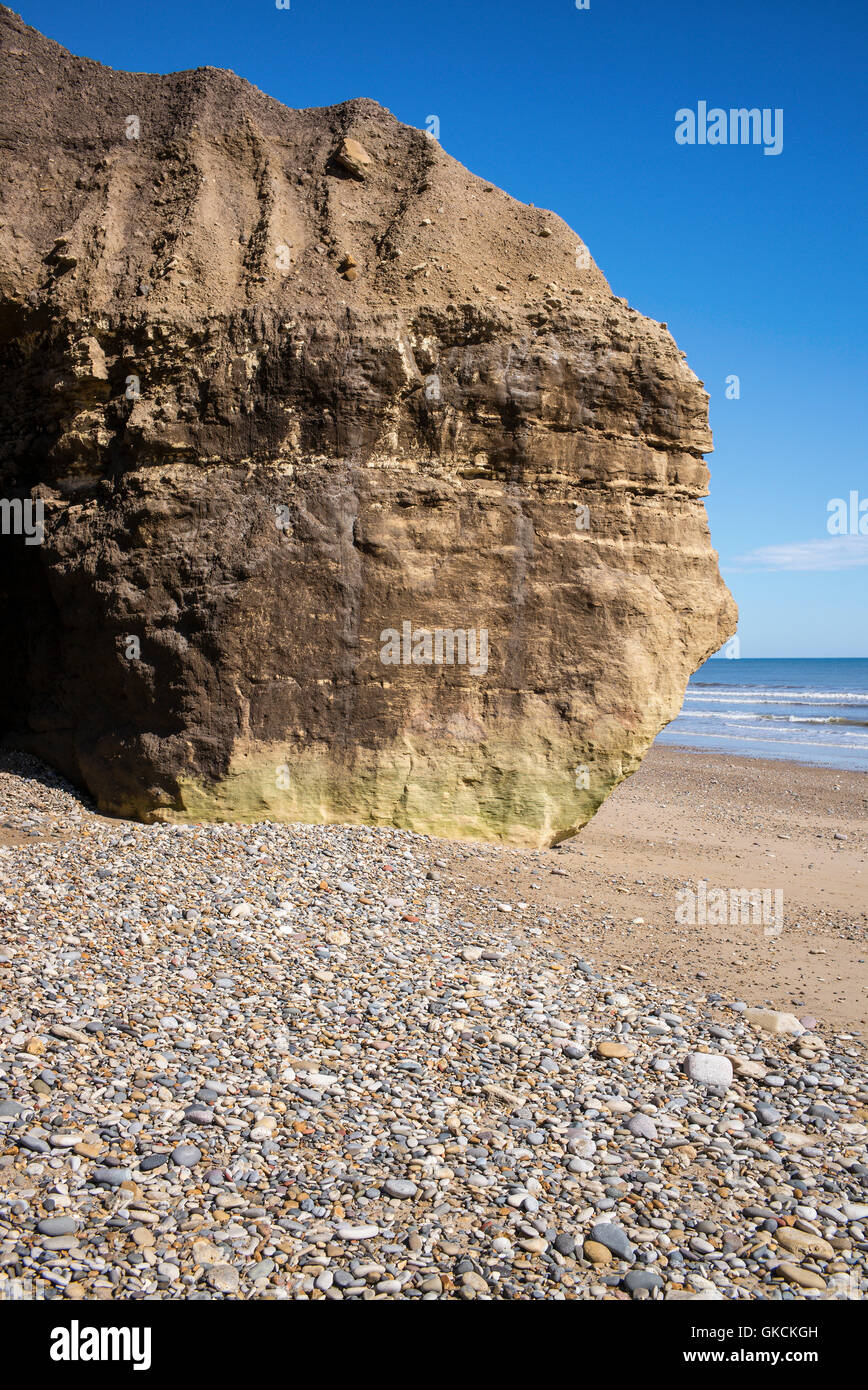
(303, 1062)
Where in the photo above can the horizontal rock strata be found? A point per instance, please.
(363, 497)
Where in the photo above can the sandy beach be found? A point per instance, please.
(739, 823)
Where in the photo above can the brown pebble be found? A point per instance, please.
(613, 1049)
(795, 1274)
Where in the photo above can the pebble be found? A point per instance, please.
(299, 1081)
(709, 1069)
(224, 1279)
(152, 1161)
(642, 1126)
(773, 1021)
(636, 1279)
(802, 1243)
(607, 1049)
(614, 1239)
(57, 1226)
(186, 1156)
(398, 1187)
(795, 1274)
(205, 1252)
(111, 1177)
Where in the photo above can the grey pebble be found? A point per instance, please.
(57, 1226)
(399, 1187)
(614, 1239)
(186, 1156)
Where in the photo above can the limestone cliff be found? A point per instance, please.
(364, 498)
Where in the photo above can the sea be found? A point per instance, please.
(804, 710)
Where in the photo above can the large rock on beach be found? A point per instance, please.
(363, 498)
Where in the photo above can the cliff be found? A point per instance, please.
(364, 498)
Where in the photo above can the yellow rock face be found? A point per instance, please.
(464, 791)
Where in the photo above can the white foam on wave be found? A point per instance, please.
(781, 742)
(760, 720)
(749, 695)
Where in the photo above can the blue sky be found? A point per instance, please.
(757, 262)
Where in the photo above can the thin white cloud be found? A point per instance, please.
(830, 553)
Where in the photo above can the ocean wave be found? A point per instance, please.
(818, 719)
(760, 728)
(774, 718)
(746, 694)
(774, 710)
(712, 714)
(780, 742)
